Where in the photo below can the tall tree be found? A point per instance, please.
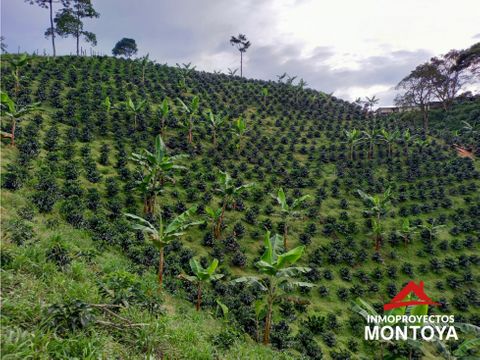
(448, 78)
(417, 90)
(470, 59)
(69, 21)
(126, 47)
(242, 44)
(48, 4)
(3, 45)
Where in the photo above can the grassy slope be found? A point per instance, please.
(30, 282)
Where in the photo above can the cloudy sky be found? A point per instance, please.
(352, 47)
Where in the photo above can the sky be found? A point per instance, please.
(354, 48)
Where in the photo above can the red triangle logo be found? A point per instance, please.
(417, 290)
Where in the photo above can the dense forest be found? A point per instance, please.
(151, 211)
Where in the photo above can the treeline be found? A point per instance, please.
(440, 79)
(68, 20)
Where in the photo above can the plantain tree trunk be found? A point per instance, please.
(285, 235)
(149, 205)
(14, 126)
(162, 130)
(218, 227)
(199, 296)
(268, 321)
(160, 271)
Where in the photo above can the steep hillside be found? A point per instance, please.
(78, 281)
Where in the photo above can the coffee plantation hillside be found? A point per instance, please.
(365, 203)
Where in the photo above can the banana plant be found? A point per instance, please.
(215, 121)
(224, 309)
(422, 143)
(15, 113)
(407, 139)
(164, 110)
(377, 204)
(214, 217)
(260, 313)
(265, 93)
(377, 232)
(370, 137)
(288, 211)
(185, 71)
(157, 170)
(232, 72)
(277, 275)
(469, 349)
(239, 130)
(135, 108)
(107, 104)
(190, 111)
(290, 79)
(299, 88)
(432, 229)
(377, 207)
(164, 234)
(201, 276)
(17, 64)
(407, 231)
(389, 137)
(228, 191)
(353, 136)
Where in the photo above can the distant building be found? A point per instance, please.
(387, 110)
(435, 105)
